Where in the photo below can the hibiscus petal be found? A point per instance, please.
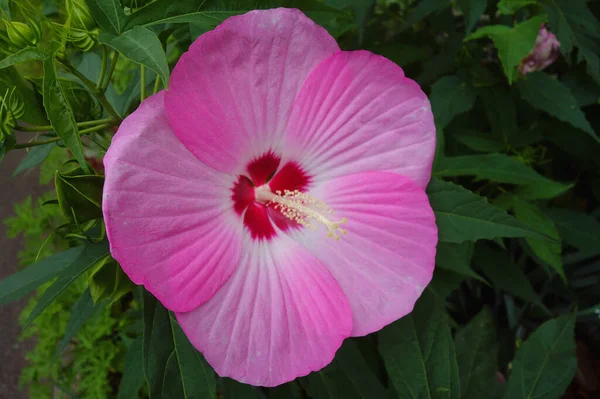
(358, 113)
(169, 218)
(387, 256)
(231, 94)
(281, 315)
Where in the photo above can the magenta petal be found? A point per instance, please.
(231, 94)
(387, 256)
(169, 218)
(358, 113)
(281, 315)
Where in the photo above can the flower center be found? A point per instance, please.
(301, 208)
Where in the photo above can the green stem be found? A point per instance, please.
(55, 139)
(80, 124)
(156, 84)
(92, 87)
(143, 83)
(103, 67)
(111, 70)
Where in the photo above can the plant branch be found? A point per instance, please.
(55, 139)
(80, 124)
(103, 67)
(111, 70)
(143, 83)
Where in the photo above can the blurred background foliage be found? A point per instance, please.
(513, 310)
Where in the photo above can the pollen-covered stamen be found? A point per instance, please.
(301, 208)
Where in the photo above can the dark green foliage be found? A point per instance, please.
(515, 192)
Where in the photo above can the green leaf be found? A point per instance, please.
(578, 229)
(551, 96)
(81, 311)
(235, 390)
(348, 376)
(60, 113)
(504, 274)
(35, 156)
(158, 345)
(26, 54)
(109, 14)
(546, 363)
(456, 258)
(509, 7)
(575, 26)
(514, 43)
(472, 9)
(462, 215)
(173, 368)
(291, 390)
(479, 141)
(424, 9)
(107, 280)
(211, 13)
(197, 377)
(133, 371)
(419, 354)
(450, 97)
(501, 112)
(79, 196)
(547, 251)
(477, 354)
(27, 280)
(142, 46)
(498, 168)
(89, 256)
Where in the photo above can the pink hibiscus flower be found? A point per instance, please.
(221, 192)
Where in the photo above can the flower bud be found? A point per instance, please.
(22, 35)
(80, 15)
(12, 107)
(83, 40)
(544, 53)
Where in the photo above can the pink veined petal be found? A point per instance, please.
(387, 256)
(281, 315)
(231, 94)
(358, 113)
(168, 216)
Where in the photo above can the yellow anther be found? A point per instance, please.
(301, 208)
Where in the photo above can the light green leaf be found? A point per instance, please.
(109, 14)
(419, 354)
(546, 363)
(81, 311)
(35, 156)
(514, 43)
(142, 46)
(462, 215)
(498, 168)
(89, 256)
(575, 26)
(27, 280)
(509, 7)
(578, 229)
(26, 54)
(133, 371)
(551, 96)
(477, 357)
(547, 251)
(472, 9)
(60, 113)
(450, 97)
